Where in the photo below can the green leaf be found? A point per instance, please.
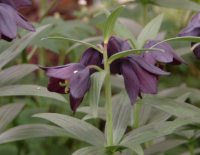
(129, 52)
(177, 4)
(18, 46)
(110, 23)
(30, 131)
(91, 151)
(74, 40)
(15, 73)
(121, 116)
(163, 146)
(29, 90)
(76, 128)
(150, 31)
(173, 107)
(94, 92)
(152, 131)
(8, 113)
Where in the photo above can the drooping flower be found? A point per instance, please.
(10, 20)
(16, 3)
(74, 78)
(166, 54)
(139, 75)
(193, 29)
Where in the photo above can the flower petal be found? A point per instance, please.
(54, 86)
(147, 66)
(148, 81)
(196, 50)
(80, 83)
(91, 57)
(64, 72)
(16, 3)
(116, 45)
(75, 102)
(131, 81)
(8, 27)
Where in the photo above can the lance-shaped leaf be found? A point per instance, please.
(129, 52)
(150, 31)
(75, 40)
(15, 73)
(24, 132)
(76, 128)
(177, 4)
(173, 107)
(121, 116)
(91, 151)
(110, 23)
(94, 92)
(8, 113)
(153, 131)
(29, 90)
(18, 46)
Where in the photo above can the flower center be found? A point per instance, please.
(66, 85)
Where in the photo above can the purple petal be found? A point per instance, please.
(64, 72)
(147, 66)
(193, 27)
(75, 102)
(196, 50)
(116, 45)
(91, 57)
(80, 83)
(148, 81)
(131, 81)
(54, 85)
(22, 22)
(8, 27)
(168, 54)
(16, 3)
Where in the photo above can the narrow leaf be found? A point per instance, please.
(152, 131)
(74, 40)
(177, 4)
(91, 151)
(29, 90)
(15, 73)
(173, 107)
(94, 92)
(110, 23)
(24, 132)
(77, 128)
(129, 52)
(150, 31)
(14, 50)
(8, 113)
(121, 116)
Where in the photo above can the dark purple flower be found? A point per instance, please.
(16, 3)
(167, 55)
(10, 20)
(139, 75)
(193, 29)
(73, 78)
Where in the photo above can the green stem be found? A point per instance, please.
(191, 149)
(109, 119)
(136, 114)
(145, 12)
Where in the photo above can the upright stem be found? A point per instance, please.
(109, 121)
(136, 113)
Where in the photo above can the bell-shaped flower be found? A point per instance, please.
(164, 54)
(16, 3)
(10, 20)
(193, 29)
(73, 78)
(139, 75)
